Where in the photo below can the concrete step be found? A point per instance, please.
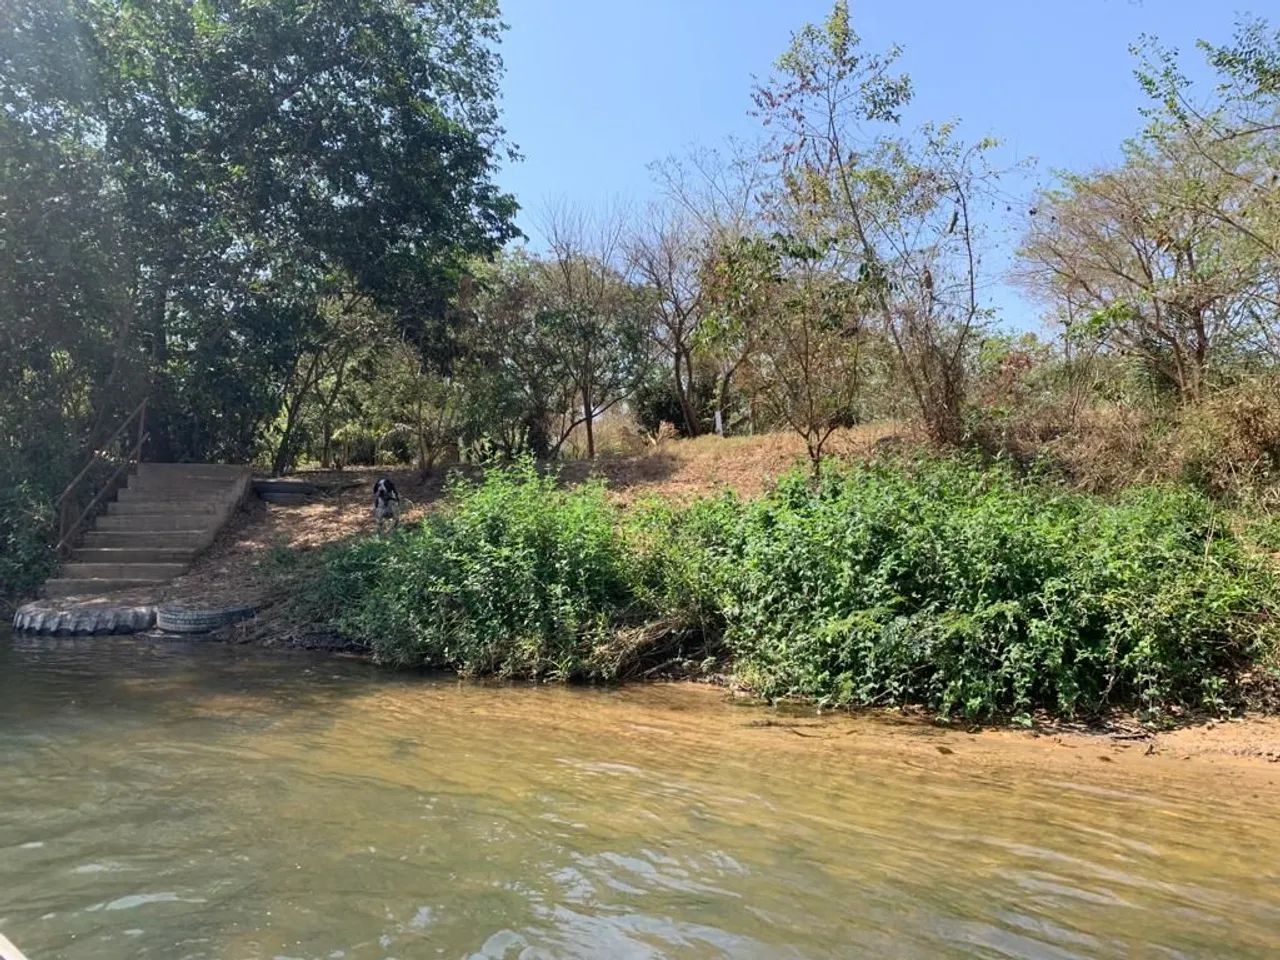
(129, 508)
(141, 494)
(121, 571)
(66, 587)
(168, 539)
(173, 487)
(159, 522)
(288, 499)
(135, 554)
(156, 466)
(179, 472)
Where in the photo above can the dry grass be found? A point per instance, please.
(1228, 444)
(616, 435)
(683, 470)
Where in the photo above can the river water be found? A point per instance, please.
(162, 800)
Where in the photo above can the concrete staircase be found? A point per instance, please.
(166, 515)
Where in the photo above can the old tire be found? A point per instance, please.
(174, 618)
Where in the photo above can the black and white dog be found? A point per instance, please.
(386, 504)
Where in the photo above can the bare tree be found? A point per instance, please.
(594, 316)
(903, 209)
(720, 189)
(716, 197)
(1142, 272)
(666, 255)
(1235, 131)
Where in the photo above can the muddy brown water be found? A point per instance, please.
(163, 800)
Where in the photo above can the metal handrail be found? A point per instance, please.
(67, 531)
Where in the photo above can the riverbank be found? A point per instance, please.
(949, 584)
(945, 585)
(251, 559)
(1247, 747)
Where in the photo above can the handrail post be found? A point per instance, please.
(142, 426)
(66, 505)
(64, 514)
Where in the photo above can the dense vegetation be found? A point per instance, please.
(279, 221)
(937, 582)
(195, 195)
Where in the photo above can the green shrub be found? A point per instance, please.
(519, 578)
(941, 583)
(677, 556)
(26, 530)
(26, 524)
(971, 591)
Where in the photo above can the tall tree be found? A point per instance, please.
(595, 318)
(258, 160)
(667, 255)
(67, 273)
(512, 369)
(1233, 129)
(903, 208)
(715, 197)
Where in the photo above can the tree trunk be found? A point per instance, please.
(326, 454)
(280, 462)
(682, 394)
(422, 439)
(722, 392)
(588, 416)
(284, 452)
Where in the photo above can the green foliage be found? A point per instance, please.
(944, 583)
(677, 557)
(185, 188)
(974, 592)
(26, 528)
(518, 579)
(655, 401)
(552, 343)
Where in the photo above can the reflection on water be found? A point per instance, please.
(201, 801)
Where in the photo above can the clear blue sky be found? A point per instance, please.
(597, 89)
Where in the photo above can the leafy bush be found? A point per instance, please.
(518, 579)
(943, 583)
(655, 402)
(26, 521)
(26, 530)
(969, 590)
